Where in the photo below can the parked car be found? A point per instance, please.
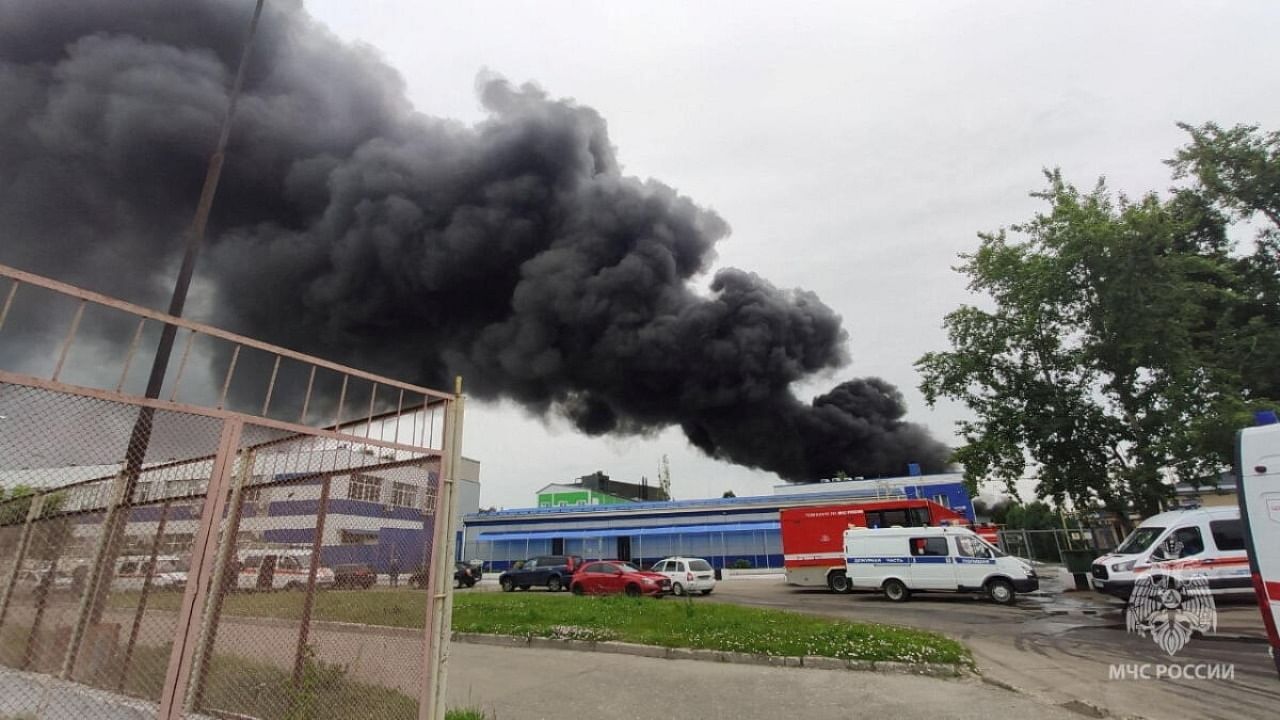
(606, 577)
(463, 576)
(354, 576)
(687, 575)
(551, 571)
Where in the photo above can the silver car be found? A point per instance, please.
(687, 575)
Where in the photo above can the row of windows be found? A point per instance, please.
(369, 489)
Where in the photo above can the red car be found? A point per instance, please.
(604, 577)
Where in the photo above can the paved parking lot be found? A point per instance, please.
(1059, 647)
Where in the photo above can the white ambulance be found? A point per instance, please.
(900, 561)
(283, 569)
(1205, 541)
(1258, 465)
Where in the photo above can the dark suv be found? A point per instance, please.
(354, 576)
(553, 571)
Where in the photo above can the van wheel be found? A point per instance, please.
(677, 589)
(1001, 591)
(507, 585)
(839, 582)
(896, 591)
(554, 584)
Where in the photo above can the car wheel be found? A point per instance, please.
(1001, 591)
(554, 584)
(677, 589)
(896, 591)
(706, 592)
(507, 585)
(576, 588)
(633, 590)
(839, 582)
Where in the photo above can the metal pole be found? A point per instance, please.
(24, 543)
(431, 705)
(299, 656)
(225, 577)
(42, 590)
(140, 438)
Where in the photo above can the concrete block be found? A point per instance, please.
(823, 663)
(623, 648)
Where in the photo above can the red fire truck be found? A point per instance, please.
(813, 537)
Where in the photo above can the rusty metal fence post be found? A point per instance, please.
(24, 542)
(184, 653)
(439, 587)
(224, 577)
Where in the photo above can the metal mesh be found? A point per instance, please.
(160, 559)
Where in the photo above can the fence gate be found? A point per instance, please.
(198, 554)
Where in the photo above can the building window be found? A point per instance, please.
(942, 500)
(404, 495)
(349, 537)
(365, 487)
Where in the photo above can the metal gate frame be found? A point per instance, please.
(192, 618)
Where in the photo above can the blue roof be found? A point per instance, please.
(631, 532)
(765, 501)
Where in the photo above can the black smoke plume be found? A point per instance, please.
(513, 252)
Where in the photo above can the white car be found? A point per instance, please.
(687, 575)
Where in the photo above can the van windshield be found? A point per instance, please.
(1139, 540)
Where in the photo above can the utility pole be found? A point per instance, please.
(121, 499)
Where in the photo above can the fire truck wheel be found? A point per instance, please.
(839, 582)
(896, 591)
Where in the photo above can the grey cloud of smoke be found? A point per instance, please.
(514, 252)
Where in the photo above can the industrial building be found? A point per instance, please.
(725, 531)
(375, 514)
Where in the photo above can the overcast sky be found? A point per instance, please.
(854, 148)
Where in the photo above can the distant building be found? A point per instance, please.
(376, 515)
(597, 489)
(1209, 492)
(725, 531)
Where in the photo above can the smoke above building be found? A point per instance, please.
(514, 252)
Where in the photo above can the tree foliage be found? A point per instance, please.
(1124, 340)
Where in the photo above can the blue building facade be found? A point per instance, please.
(725, 531)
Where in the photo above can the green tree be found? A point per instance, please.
(728, 494)
(1237, 171)
(1090, 369)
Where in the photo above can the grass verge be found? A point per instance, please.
(699, 624)
(669, 622)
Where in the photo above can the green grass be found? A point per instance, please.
(668, 622)
(465, 714)
(714, 626)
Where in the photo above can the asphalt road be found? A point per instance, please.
(1060, 647)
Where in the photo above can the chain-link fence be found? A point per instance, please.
(1056, 544)
(160, 559)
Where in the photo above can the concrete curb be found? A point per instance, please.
(939, 670)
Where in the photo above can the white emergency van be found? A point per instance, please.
(1208, 541)
(900, 561)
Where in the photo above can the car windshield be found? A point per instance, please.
(1139, 540)
(699, 565)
